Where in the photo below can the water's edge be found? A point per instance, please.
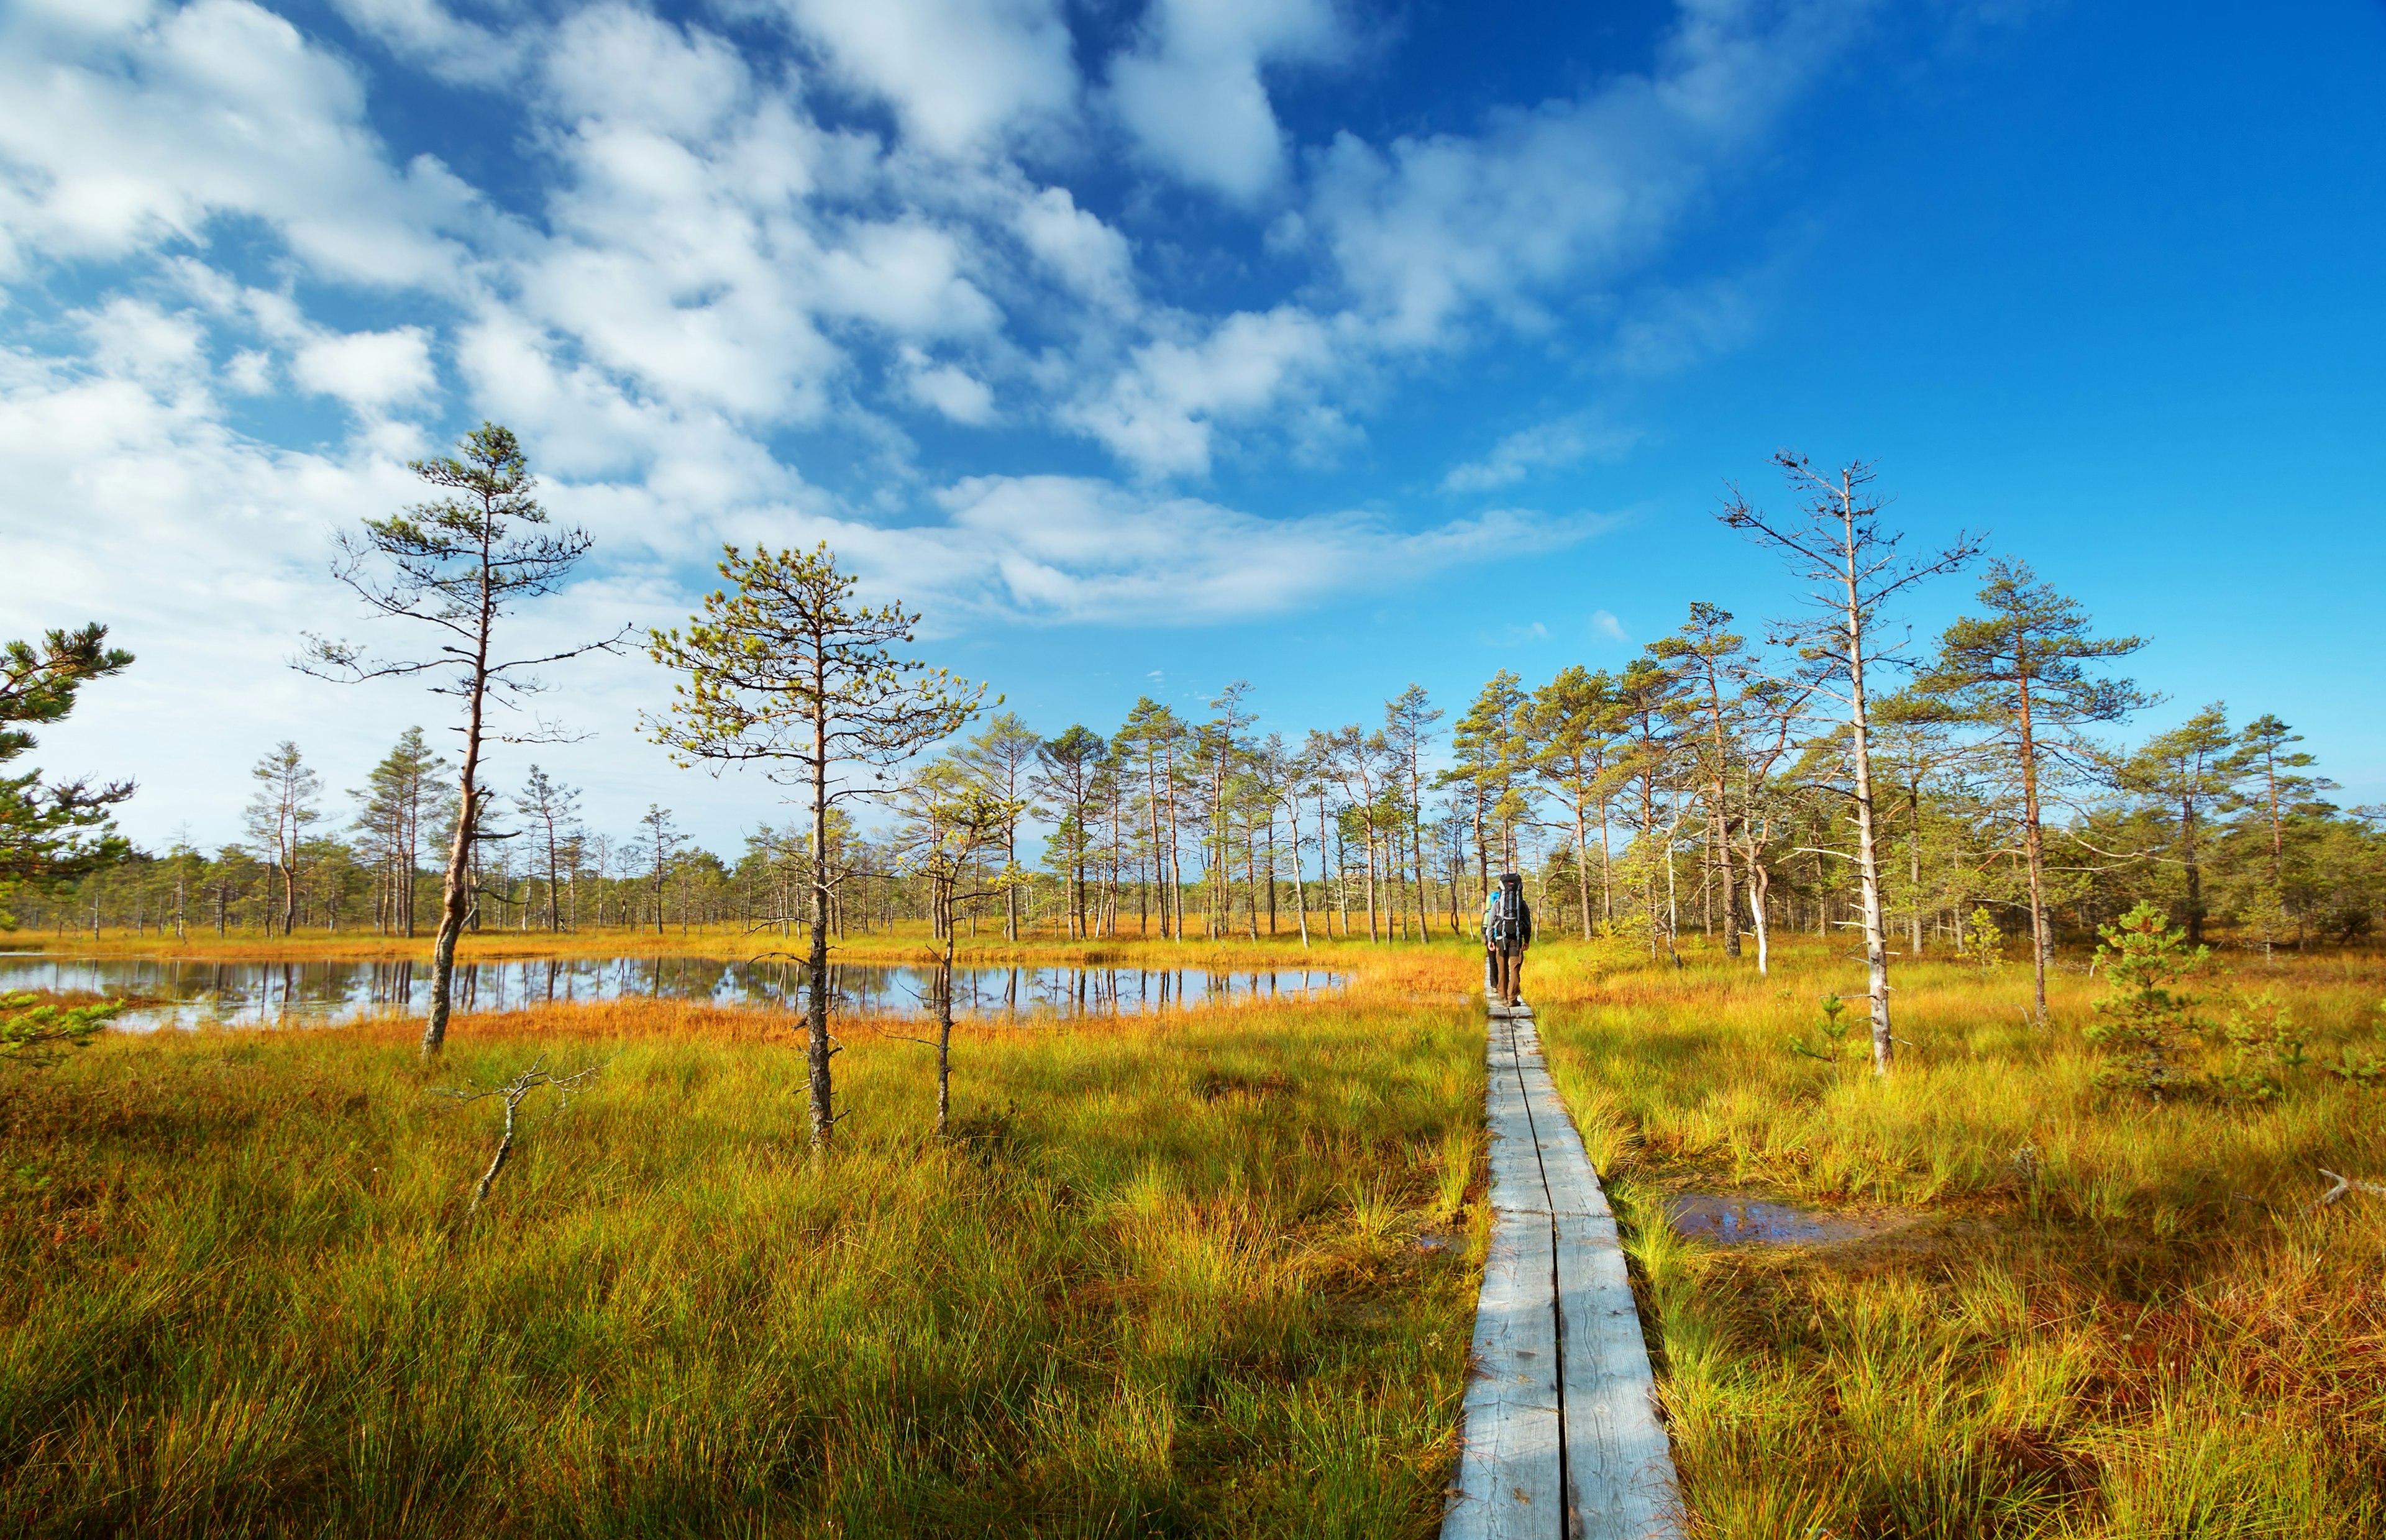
(314, 992)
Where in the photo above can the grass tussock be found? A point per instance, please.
(1163, 1282)
(2101, 1315)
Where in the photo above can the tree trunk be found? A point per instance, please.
(2032, 836)
(1867, 849)
(1914, 869)
(456, 889)
(1582, 868)
(1759, 881)
(2194, 873)
(823, 1116)
(945, 1023)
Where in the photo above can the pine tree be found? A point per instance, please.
(788, 671)
(2020, 673)
(459, 564)
(2189, 771)
(52, 835)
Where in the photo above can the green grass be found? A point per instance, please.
(1165, 1283)
(2097, 1315)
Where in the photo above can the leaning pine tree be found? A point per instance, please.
(459, 564)
(788, 671)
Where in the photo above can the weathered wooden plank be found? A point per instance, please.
(1557, 1343)
(1619, 1465)
(1515, 1146)
(1567, 1175)
(1509, 1477)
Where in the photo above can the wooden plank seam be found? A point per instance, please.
(1562, 1435)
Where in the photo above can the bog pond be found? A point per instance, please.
(193, 992)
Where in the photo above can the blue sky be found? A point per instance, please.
(1148, 346)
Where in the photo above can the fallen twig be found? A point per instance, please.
(2344, 1184)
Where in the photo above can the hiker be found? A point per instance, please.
(1507, 932)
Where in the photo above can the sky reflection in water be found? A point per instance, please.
(325, 993)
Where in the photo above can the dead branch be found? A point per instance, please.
(514, 1093)
(2344, 1184)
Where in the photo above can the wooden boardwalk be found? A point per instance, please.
(1562, 1440)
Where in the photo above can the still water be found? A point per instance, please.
(1731, 1218)
(192, 994)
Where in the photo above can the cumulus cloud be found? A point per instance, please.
(948, 389)
(958, 72)
(370, 371)
(1159, 413)
(116, 139)
(1190, 91)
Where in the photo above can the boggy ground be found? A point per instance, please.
(2092, 1315)
(1164, 1281)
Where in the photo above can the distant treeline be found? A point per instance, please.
(1169, 826)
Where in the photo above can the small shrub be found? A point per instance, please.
(1988, 939)
(2265, 1049)
(1829, 1044)
(2363, 1066)
(2142, 1026)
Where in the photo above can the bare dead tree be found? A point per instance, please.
(513, 1093)
(952, 820)
(1838, 544)
(459, 565)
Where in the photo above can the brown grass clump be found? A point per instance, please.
(2099, 1314)
(241, 1293)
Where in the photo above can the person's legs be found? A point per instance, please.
(1516, 979)
(1508, 963)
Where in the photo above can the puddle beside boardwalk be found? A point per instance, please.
(314, 993)
(1730, 1218)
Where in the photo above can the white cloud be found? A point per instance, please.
(1159, 413)
(958, 72)
(1565, 194)
(1090, 256)
(1191, 94)
(948, 389)
(619, 64)
(114, 140)
(370, 371)
(134, 340)
(1607, 626)
(450, 46)
(1544, 446)
(250, 372)
(1068, 548)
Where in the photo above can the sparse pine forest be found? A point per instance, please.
(2058, 1040)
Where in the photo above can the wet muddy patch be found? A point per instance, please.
(1742, 1219)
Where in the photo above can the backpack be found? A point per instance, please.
(1508, 913)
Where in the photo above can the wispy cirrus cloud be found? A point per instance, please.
(1549, 446)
